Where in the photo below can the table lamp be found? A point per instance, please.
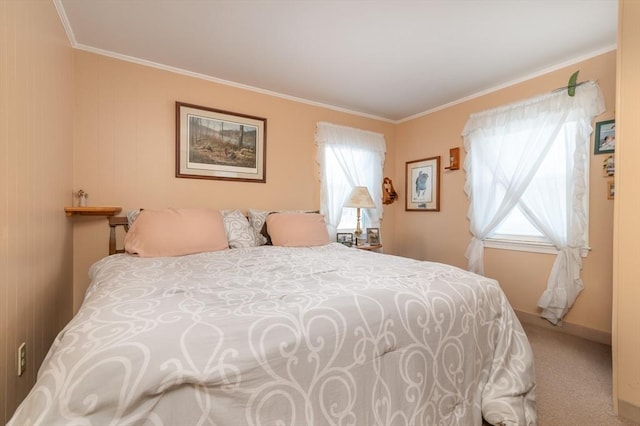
(360, 198)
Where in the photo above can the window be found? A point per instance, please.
(347, 158)
(553, 182)
(337, 178)
(527, 180)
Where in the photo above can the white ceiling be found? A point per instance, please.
(388, 59)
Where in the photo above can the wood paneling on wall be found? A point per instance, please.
(36, 130)
(626, 266)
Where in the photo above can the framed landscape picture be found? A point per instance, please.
(422, 184)
(216, 144)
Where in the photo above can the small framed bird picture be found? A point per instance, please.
(422, 184)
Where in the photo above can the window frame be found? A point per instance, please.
(541, 244)
(330, 137)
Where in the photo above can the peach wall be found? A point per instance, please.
(122, 154)
(626, 266)
(35, 179)
(124, 146)
(444, 236)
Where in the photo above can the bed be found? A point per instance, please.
(280, 335)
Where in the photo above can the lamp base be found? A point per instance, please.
(358, 228)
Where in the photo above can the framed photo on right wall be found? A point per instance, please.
(605, 138)
(422, 185)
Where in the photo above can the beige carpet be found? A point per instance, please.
(573, 378)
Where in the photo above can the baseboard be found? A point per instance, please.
(628, 411)
(566, 327)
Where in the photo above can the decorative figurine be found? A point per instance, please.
(83, 198)
(389, 195)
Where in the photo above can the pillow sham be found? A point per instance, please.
(297, 229)
(176, 232)
(258, 221)
(239, 232)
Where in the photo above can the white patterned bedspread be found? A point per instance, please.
(286, 336)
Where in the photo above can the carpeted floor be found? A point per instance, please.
(573, 378)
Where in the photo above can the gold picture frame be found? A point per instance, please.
(217, 144)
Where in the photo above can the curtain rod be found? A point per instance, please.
(571, 85)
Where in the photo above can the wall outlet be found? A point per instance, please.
(22, 358)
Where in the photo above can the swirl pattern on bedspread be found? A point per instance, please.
(286, 336)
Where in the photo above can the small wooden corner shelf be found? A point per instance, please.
(454, 159)
(92, 211)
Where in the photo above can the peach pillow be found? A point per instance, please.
(176, 232)
(297, 229)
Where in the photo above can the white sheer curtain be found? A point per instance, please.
(510, 151)
(359, 156)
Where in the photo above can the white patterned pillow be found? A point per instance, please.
(239, 233)
(132, 215)
(257, 219)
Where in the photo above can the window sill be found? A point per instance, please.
(530, 246)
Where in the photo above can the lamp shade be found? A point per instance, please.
(360, 197)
